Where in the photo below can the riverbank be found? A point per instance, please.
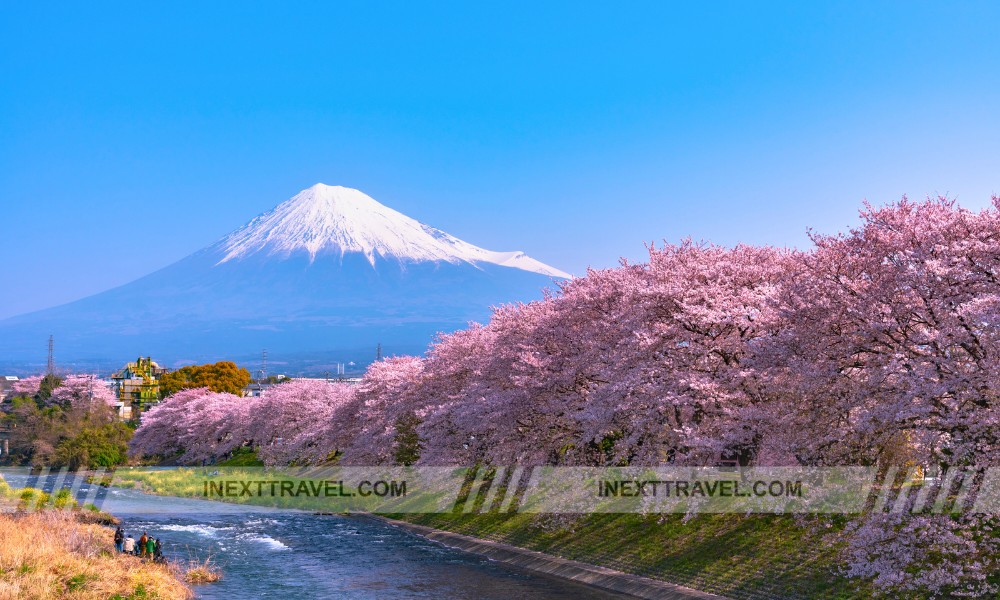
(738, 556)
(52, 547)
(599, 577)
(743, 557)
(54, 554)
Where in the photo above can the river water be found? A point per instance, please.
(272, 553)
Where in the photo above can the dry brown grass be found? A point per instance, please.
(202, 572)
(50, 554)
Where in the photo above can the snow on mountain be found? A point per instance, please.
(326, 271)
(337, 220)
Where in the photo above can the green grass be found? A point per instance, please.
(140, 593)
(33, 499)
(243, 457)
(207, 483)
(182, 482)
(77, 582)
(738, 556)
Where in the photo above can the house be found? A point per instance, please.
(6, 385)
(255, 390)
(137, 386)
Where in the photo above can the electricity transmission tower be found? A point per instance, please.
(51, 367)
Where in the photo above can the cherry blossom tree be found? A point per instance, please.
(637, 364)
(85, 392)
(293, 422)
(195, 423)
(952, 557)
(679, 388)
(27, 386)
(383, 395)
(162, 425)
(302, 420)
(893, 328)
(891, 338)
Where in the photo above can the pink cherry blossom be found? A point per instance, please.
(84, 391)
(28, 386)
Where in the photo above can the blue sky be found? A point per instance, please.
(133, 134)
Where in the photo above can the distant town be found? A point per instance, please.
(137, 384)
(47, 400)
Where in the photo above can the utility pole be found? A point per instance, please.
(51, 368)
(90, 392)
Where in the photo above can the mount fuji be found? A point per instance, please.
(330, 270)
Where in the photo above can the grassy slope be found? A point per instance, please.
(751, 557)
(51, 547)
(50, 554)
(243, 457)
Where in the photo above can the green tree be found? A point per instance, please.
(222, 376)
(48, 383)
(406, 444)
(95, 446)
(85, 434)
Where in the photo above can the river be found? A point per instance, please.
(272, 553)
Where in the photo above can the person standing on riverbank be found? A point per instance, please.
(129, 545)
(150, 547)
(142, 544)
(119, 539)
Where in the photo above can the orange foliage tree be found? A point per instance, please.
(222, 376)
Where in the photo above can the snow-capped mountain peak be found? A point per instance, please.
(328, 270)
(337, 220)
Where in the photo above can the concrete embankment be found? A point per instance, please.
(600, 577)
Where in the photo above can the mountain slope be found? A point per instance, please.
(337, 220)
(329, 270)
